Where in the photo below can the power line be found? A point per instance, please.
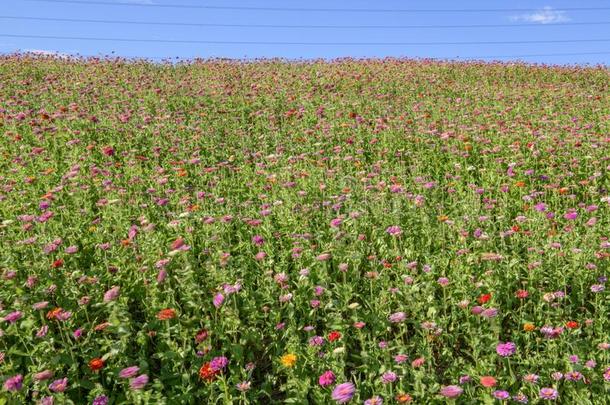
(192, 41)
(300, 9)
(131, 22)
(107, 56)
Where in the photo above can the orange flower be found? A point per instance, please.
(529, 327)
(520, 184)
(96, 364)
(206, 373)
(166, 314)
(403, 398)
(52, 314)
(101, 326)
(572, 324)
(488, 381)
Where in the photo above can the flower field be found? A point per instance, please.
(374, 231)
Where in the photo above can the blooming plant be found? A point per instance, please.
(350, 231)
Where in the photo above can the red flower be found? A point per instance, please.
(334, 335)
(572, 324)
(488, 381)
(57, 263)
(206, 373)
(521, 294)
(201, 336)
(96, 364)
(484, 298)
(166, 314)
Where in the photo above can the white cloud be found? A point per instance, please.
(546, 15)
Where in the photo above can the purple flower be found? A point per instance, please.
(14, 383)
(376, 400)
(13, 317)
(343, 393)
(573, 376)
(111, 294)
(327, 378)
(451, 391)
(465, 379)
(218, 300)
(139, 382)
(596, 288)
(59, 385)
(548, 393)
(316, 341)
(388, 377)
(77, 333)
(520, 398)
(219, 363)
(47, 401)
(129, 372)
(397, 317)
(501, 395)
(506, 349)
(489, 313)
(394, 230)
(571, 215)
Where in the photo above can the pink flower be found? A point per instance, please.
(218, 300)
(327, 378)
(111, 294)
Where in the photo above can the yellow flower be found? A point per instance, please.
(528, 327)
(289, 359)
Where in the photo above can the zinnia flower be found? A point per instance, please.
(96, 364)
(207, 373)
(129, 372)
(487, 381)
(343, 393)
(548, 393)
(451, 391)
(59, 385)
(166, 314)
(219, 363)
(506, 349)
(139, 382)
(14, 383)
(327, 378)
(289, 359)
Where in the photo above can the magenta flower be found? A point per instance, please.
(14, 383)
(394, 230)
(219, 363)
(327, 378)
(506, 349)
(218, 300)
(13, 317)
(139, 382)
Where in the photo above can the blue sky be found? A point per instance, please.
(547, 23)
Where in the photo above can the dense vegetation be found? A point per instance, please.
(272, 232)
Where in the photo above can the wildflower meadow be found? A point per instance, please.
(323, 232)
